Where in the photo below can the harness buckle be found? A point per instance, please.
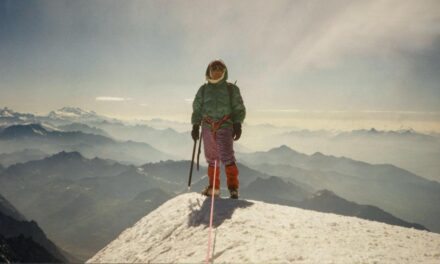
(215, 125)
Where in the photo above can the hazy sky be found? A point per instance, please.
(303, 63)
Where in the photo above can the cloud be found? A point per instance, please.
(337, 54)
(299, 35)
(294, 110)
(112, 99)
(269, 40)
(352, 115)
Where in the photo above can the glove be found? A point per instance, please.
(195, 132)
(237, 131)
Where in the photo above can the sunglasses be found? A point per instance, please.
(217, 67)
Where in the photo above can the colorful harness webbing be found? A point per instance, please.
(215, 125)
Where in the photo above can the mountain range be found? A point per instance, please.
(83, 203)
(20, 137)
(409, 149)
(21, 156)
(74, 119)
(7, 209)
(84, 128)
(415, 151)
(327, 201)
(84, 178)
(397, 191)
(25, 241)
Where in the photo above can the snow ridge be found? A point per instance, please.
(252, 231)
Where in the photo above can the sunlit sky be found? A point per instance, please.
(314, 64)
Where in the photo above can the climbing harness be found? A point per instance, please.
(215, 125)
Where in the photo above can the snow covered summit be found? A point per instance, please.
(72, 113)
(250, 231)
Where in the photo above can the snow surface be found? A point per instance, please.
(249, 231)
(73, 113)
(36, 131)
(49, 127)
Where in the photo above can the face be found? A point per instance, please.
(217, 71)
(216, 74)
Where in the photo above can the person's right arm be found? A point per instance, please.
(196, 118)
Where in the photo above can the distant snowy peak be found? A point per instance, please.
(49, 127)
(248, 231)
(369, 133)
(76, 114)
(71, 113)
(10, 115)
(61, 116)
(373, 131)
(76, 126)
(6, 112)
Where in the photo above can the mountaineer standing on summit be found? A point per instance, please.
(218, 107)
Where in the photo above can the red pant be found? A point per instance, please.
(231, 176)
(221, 149)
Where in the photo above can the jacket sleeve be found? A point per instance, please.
(196, 117)
(238, 108)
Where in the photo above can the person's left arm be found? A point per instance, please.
(238, 108)
(238, 112)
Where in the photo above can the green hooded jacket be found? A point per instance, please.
(217, 103)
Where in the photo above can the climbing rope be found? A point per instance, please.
(212, 214)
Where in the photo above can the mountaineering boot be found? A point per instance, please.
(208, 191)
(232, 179)
(233, 193)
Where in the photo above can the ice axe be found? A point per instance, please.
(200, 150)
(192, 162)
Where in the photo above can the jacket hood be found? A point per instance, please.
(225, 75)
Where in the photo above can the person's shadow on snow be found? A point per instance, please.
(223, 209)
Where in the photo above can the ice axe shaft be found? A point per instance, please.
(200, 150)
(192, 164)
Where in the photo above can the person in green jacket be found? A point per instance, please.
(218, 107)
